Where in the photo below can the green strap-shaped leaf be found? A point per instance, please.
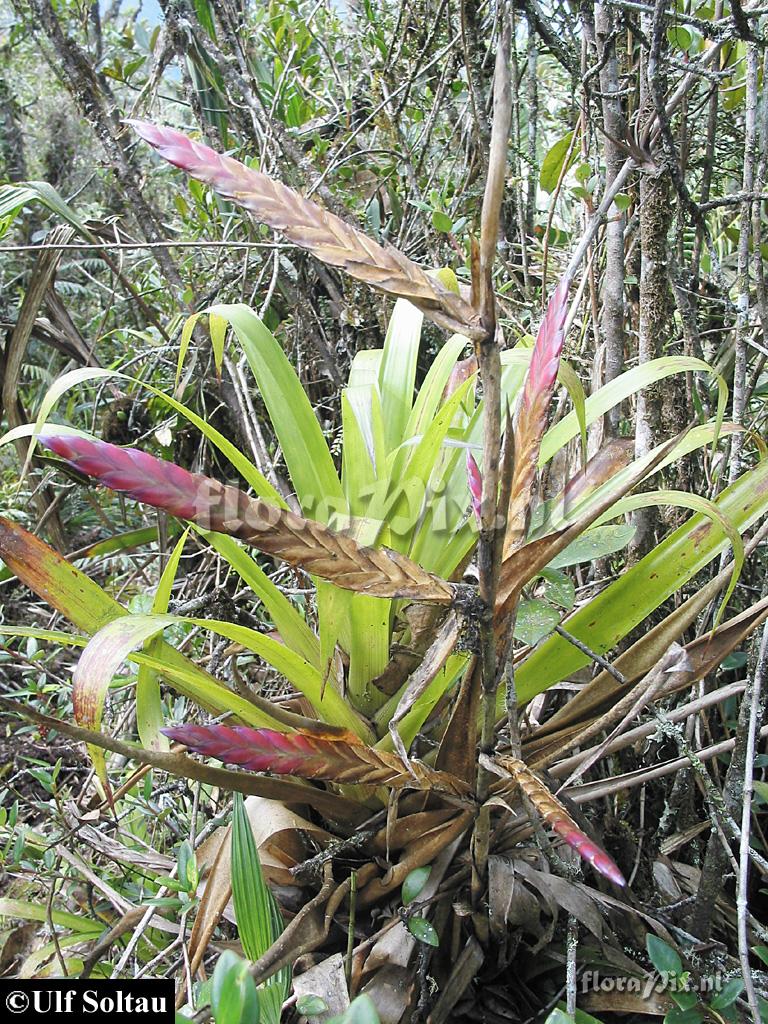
(27, 911)
(17, 195)
(304, 448)
(415, 465)
(694, 502)
(626, 602)
(261, 486)
(149, 706)
(397, 374)
(622, 387)
(89, 608)
(110, 647)
(217, 328)
(293, 629)
(558, 515)
(431, 391)
(364, 452)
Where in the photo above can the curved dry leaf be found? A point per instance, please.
(703, 654)
(391, 990)
(328, 981)
(422, 851)
(510, 903)
(564, 894)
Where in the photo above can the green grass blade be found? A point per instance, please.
(258, 917)
(55, 636)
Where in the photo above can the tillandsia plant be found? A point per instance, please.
(406, 740)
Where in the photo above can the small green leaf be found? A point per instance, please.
(414, 883)
(693, 1015)
(553, 162)
(663, 957)
(188, 876)
(679, 37)
(728, 994)
(583, 172)
(373, 215)
(360, 1011)
(234, 997)
(736, 660)
(535, 620)
(685, 1000)
(558, 588)
(441, 221)
(447, 278)
(762, 952)
(311, 1006)
(622, 201)
(422, 930)
(595, 543)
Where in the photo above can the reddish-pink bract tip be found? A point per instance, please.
(133, 472)
(589, 851)
(475, 481)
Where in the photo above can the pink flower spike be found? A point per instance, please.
(533, 413)
(475, 482)
(545, 360)
(258, 750)
(589, 851)
(225, 175)
(301, 754)
(135, 473)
